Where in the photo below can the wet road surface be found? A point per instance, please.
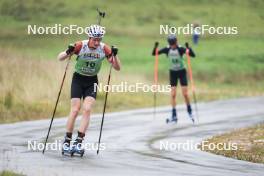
(134, 143)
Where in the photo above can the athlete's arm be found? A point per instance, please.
(115, 62)
(111, 55)
(161, 51)
(192, 54)
(182, 51)
(72, 49)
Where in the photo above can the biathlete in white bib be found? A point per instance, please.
(90, 55)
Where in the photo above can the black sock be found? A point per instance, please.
(80, 137)
(80, 134)
(189, 108)
(69, 134)
(173, 112)
(68, 137)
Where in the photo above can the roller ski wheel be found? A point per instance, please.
(192, 119)
(189, 110)
(77, 150)
(191, 116)
(173, 120)
(66, 149)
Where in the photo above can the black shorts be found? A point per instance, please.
(181, 75)
(83, 86)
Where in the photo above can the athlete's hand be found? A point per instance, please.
(70, 49)
(114, 50)
(187, 45)
(156, 44)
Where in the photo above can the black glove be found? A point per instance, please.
(156, 44)
(114, 50)
(70, 49)
(187, 45)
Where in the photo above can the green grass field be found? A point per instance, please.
(225, 66)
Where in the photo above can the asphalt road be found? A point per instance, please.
(133, 142)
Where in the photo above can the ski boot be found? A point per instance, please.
(77, 145)
(173, 118)
(66, 146)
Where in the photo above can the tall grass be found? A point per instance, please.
(225, 66)
(29, 88)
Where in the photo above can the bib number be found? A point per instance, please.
(176, 63)
(90, 64)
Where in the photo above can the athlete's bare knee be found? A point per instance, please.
(87, 109)
(185, 93)
(75, 110)
(87, 106)
(75, 107)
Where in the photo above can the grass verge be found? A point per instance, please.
(9, 173)
(250, 144)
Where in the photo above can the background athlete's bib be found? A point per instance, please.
(176, 60)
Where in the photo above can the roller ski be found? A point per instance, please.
(173, 118)
(189, 110)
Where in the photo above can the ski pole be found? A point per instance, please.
(191, 80)
(155, 79)
(102, 122)
(100, 16)
(55, 108)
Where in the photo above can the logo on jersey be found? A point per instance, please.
(91, 55)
